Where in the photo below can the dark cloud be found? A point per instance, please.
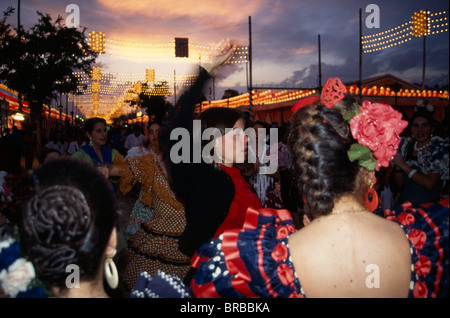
(284, 35)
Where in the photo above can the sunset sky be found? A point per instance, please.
(284, 37)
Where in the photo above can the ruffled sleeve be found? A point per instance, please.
(127, 175)
(81, 155)
(404, 145)
(137, 170)
(161, 285)
(438, 157)
(252, 262)
(137, 152)
(117, 159)
(427, 229)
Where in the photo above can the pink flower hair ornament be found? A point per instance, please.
(375, 126)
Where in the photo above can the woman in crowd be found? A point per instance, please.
(96, 153)
(263, 182)
(141, 212)
(343, 250)
(209, 182)
(68, 229)
(171, 237)
(421, 165)
(213, 192)
(158, 219)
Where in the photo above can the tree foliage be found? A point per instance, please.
(39, 63)
(230, 93)
(152, 99)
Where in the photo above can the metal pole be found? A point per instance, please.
(67, 107)
(424, 51)
(18, 15)
(250, 63)
(175, 87)
(360, 54)
(320, 68)
(19, 35)
(424, 60)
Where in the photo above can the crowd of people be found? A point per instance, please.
(351, 209)
(18, 147)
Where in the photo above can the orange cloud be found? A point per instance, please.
(206, 11)
(305, 50)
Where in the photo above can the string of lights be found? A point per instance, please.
(141, 51)
(259, 98)
(96, 86)
(111, 93)
(129, 78)
(422, 23)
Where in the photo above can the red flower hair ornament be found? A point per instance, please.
(333, 92)
(375, 126)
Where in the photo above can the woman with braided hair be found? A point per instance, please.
(68, 229)
(344, 250)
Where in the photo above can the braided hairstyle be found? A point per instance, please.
(318, 142)
(68, 220)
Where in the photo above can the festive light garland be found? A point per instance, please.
(109, 93)
(140, 51)
(259, 98)
(422, 23)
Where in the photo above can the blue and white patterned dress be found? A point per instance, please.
(432, 159)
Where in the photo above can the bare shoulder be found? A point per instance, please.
(352, 256)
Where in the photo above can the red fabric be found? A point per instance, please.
(406, 218)
(208, 290)
(418, 238)
(279, 253)
(422, 266)
(420, 290)
(303, 102)
(286, 274)
(234, 262)
(436, 244)
(235, 265)
(243, 199)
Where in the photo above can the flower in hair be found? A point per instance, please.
(17, 275)
(376, 127)
(333, 92)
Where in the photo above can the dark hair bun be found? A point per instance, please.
(68, 220)
(58, 224)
